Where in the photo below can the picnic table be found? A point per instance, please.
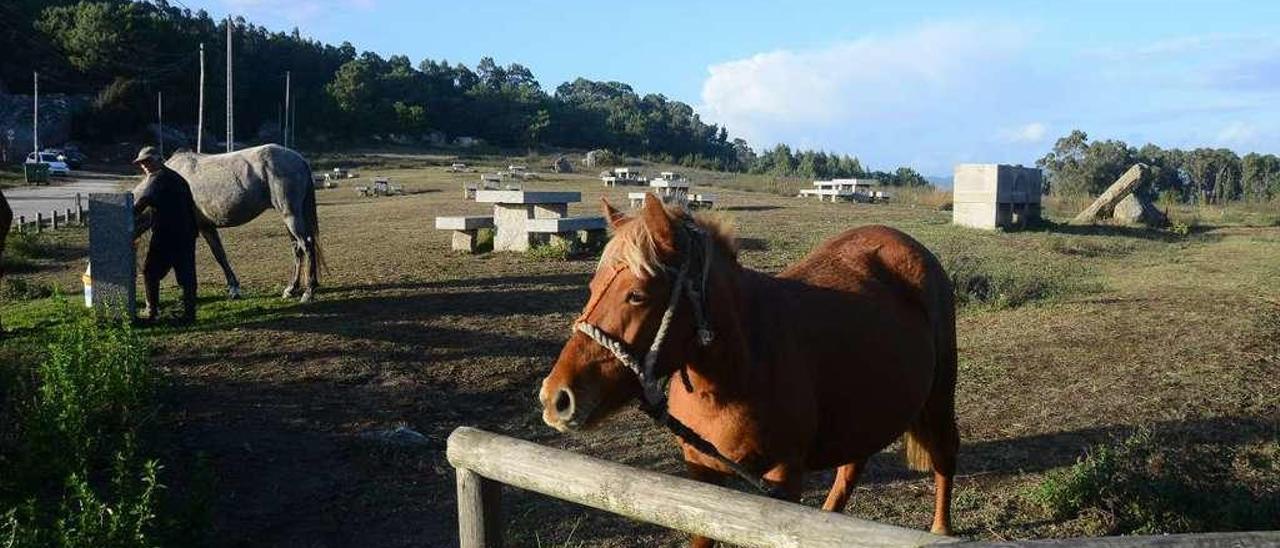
(381, 187)
(675, 191)
(515, 210)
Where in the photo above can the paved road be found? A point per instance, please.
(27, 200)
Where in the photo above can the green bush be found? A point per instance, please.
(1002, 284)
(549, 252)
(77, 476)
(1148, 485)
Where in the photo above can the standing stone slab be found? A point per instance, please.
(111, 253)
(1105, 204)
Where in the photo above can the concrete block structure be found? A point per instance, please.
(111, 254)
(991, 196)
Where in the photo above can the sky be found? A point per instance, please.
(924, 83)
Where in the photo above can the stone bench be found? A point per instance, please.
(564, 231)
(465, 230)
(828, 194)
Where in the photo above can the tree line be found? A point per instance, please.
(1207, 175)
(123, 53)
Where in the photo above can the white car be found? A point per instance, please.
(56, 166)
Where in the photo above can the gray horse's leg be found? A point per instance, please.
(313, 276)
(211, 237)
(291, 290)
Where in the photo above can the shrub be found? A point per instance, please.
(1002, 284)
(549, 252)
(77, 477)
(1147, 485)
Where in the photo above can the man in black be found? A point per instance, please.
(173, 232)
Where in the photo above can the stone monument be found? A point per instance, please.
(111, 254)
(991, 196)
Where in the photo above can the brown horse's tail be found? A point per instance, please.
(934, 434)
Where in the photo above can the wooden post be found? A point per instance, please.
(22, 223)
(53, 219)
(479, 511)
(67, 218)
(39, 222)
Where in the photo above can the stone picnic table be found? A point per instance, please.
(523, 219)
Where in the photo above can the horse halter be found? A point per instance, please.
(697, 246)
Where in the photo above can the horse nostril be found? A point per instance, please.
(564, 404)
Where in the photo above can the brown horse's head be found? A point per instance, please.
(629, 294)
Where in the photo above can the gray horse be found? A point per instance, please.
(232, 189)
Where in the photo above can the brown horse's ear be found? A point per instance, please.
(659, 226)
(611, 213)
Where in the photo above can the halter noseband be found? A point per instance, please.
(655, 386)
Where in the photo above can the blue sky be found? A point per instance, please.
(922, 83)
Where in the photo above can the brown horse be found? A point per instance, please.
(820, 367)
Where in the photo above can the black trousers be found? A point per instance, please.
(180, 257)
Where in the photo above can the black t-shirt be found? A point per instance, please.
(173, 208)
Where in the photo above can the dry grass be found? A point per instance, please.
(1089, 335)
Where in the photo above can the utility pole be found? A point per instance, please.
(160, 121)
(35, 116)
(231, 127)
(200, 110)
(293, 123)
(287, 107)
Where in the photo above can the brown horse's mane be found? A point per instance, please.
(632, 243)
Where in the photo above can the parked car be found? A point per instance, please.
(71, 156)
(56, 166)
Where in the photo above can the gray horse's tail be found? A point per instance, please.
(313, 224)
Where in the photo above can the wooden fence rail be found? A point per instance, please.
(485, 461)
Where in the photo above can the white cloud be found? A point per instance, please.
(895, 86)
(1029, 133)
(1237, 133)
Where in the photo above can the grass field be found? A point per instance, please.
(1112, 380)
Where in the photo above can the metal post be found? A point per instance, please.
(231, 126)
(287, 80)
(35, 116)
(160, 121)
(200, 110)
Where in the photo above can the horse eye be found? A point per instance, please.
(634, 297)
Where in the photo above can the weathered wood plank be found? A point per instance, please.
(479, 511)
(677, 503)
(1199, 540)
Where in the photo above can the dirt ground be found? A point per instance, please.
(1181, 335)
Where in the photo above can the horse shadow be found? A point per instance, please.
(1047, 451)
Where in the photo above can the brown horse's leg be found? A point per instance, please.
(842, 488)
(706, 475)
(942, 484)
